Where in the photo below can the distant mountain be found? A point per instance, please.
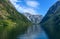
(51, 21)
(12, 22)
(34, 18)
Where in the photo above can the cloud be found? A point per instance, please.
(32, 3)
(23, 9)
(13, 2)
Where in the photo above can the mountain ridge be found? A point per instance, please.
(51, 22)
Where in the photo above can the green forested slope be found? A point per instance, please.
(12, 22)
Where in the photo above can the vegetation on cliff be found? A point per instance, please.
(12, 22)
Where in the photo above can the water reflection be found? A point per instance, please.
(34, 32)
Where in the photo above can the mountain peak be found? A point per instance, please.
(54, 7)
(34, 18)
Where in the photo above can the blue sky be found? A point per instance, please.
(33, 6)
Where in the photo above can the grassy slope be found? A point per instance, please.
(12, 22)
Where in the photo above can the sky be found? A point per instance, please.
(33, 7)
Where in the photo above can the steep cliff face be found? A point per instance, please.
(12, 22)
(34, 18)
(51, 21)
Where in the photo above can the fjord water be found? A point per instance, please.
(34, 32)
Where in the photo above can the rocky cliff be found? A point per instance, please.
(51, 21)
(34, 18)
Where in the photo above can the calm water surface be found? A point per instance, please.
(34, 32)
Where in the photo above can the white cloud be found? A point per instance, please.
(25, 9)
(28, 10)
(32, 3)
(13, 2)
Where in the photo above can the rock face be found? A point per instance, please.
(34, 18)
(51, 22)
(12, 22)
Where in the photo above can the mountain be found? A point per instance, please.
(51, 22)
(34, 18)
(12, 22)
